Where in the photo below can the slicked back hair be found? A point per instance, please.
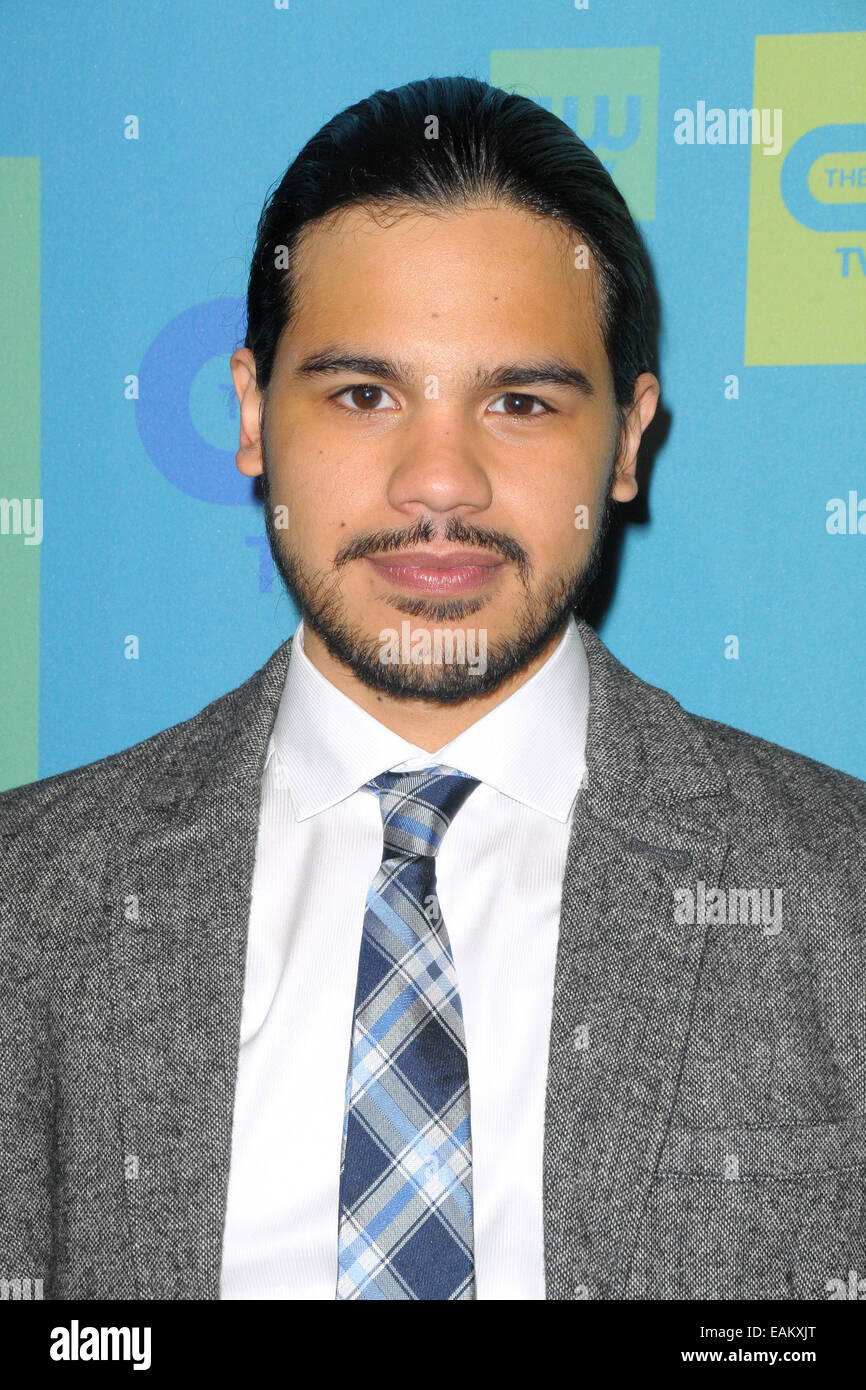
(445, 144)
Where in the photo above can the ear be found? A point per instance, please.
(640, 413)
(249, 455)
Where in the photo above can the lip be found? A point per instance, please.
(440, 572)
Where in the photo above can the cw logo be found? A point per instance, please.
(609, 97)
(807, 220)
(839, 215)
(186, 407)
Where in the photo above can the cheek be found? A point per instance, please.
(304, 470)
(329, 502)
(561, 500)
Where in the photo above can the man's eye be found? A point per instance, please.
(519, 401)
(367, 398)
(364, 398)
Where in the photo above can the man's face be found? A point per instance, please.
(460, 476)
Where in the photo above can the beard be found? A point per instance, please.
(542, 615)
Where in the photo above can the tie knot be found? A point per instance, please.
(418, 807)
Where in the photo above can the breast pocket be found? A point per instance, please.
(773, 1213)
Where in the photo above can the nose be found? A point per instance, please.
(439, 468)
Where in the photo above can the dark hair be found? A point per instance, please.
(492, 147)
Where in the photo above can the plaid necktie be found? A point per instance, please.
(406, 1174)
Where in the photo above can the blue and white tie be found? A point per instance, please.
(406, 1175)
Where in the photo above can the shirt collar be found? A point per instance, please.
(531, 747)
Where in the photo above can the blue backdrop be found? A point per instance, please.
(138, 141)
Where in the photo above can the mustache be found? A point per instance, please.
(424, 532)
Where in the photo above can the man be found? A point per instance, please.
(444, 958)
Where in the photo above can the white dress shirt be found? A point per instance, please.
(499, 875)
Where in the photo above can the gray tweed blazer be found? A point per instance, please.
(705, 1128)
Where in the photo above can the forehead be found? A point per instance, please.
(471, 280)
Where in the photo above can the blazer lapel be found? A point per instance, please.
(648, 820)
(179, 912)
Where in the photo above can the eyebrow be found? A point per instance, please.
(552, 371)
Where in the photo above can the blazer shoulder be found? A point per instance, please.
(767, 776)
(639, 731)
(85, 795)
